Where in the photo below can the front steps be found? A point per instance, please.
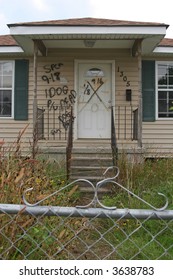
(89, 161)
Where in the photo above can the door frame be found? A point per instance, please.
(76, 72)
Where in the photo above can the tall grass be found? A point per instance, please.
(146, 179)
(19, 173)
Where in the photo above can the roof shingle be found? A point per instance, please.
(7, 40)
(88, 22)
(166, 42)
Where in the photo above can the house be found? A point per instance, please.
(108, 78)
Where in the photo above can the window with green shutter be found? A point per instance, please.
(14, 89)
(21, 90)
(148, 90)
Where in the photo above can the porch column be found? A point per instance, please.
(35, 87)
(137, 52)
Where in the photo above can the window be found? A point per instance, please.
(165, 89)
(94, 72)
(6, 88)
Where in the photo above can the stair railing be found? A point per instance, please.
(135, 124)
(69, 144)
(113, 139)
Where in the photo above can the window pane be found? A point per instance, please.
(94, 72)
(7, 82)
(171, 105)
(1, 81)
(165, 75)
(162, 69)
(162, 74)
(162, 94)
(6, 74)
(5, 103)
(162, 106)
(162, 80)
(170, 108)
(165, 115)
(7, 68)
(171, 81)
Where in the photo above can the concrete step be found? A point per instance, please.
(90, 178)
(91, 173)
(91, 151)
(89, 161)
(87, 171)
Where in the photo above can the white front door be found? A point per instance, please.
(94, 100)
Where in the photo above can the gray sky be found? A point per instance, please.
(14, 11)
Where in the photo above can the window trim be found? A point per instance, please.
(12, 90)
(157, 89)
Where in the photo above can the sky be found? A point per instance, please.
(16, 11)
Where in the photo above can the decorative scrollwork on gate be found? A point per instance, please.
(95, 200)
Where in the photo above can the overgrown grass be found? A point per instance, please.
(145, 179)
(55, 237)
(19, 173)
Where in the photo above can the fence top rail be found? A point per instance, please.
(22, 209)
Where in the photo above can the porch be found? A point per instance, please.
(86, 158)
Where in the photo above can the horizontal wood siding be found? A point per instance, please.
(158, 138)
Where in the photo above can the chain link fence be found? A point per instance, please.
(92, 231)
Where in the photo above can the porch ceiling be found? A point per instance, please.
(98, 43)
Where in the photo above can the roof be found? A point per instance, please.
(88, 22)
(166, 42)
(7, 40)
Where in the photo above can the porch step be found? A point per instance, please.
(96, 172)
(90, 163)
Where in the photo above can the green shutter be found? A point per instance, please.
(148, 90)
(21, 90)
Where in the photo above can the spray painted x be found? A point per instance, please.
(94, 93)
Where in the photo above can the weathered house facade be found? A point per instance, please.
(109, 78)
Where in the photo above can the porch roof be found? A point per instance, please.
(80, 32)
